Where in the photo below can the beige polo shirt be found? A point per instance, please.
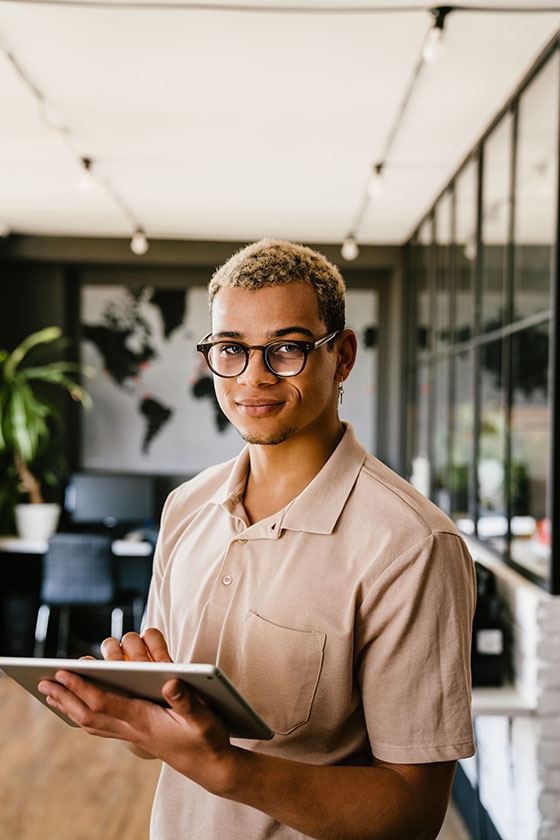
(345, 619)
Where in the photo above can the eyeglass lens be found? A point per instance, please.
(283, 358)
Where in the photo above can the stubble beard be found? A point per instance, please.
(267, 440)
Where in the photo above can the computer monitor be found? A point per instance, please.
(109, 500)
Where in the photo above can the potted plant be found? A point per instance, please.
(28, 423)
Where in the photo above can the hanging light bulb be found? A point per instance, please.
(375, 184)
(434, 39)
(544, 178)
(86, 177)
(139, 244)
(432, 45)
(469, 248)
(350, 248)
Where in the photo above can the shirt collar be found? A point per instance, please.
(318, 507)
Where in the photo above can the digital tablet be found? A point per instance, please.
(145, 681)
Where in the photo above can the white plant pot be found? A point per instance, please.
(37, 522)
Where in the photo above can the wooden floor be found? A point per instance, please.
(58, 782)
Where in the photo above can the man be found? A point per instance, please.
(335, 596)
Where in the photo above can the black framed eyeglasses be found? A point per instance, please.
(282, 358)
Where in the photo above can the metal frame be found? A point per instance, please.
(507, 330)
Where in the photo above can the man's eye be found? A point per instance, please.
(230, 349)
(286, 349)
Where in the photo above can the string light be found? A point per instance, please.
(350, 248)
(434, 39)
(277, 8)
(439, 14)
(429, 53)
(86, 178)
(139, 243)
(53, 121)
(469, 249)
(375, 181)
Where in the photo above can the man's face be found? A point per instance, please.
(263, 407)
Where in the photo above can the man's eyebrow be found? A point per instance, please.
(225, 334)
(238, 336)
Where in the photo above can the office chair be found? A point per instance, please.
(79, 574)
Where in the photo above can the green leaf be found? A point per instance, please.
(28, 418)
(45, 336)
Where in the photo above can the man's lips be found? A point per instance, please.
(258, 408)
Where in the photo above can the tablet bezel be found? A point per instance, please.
(145, 681)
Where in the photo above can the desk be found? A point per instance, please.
(21, 582)
(121, 548)
(504, 701)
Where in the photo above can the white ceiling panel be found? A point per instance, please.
(216, 123)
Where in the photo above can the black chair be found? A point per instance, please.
(79, 573)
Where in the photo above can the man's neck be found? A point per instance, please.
(279, 473)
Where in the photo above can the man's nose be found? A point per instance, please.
(256, 371)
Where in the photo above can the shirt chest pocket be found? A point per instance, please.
(278, 671)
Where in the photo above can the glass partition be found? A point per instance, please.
(495, 226)
(480, 417)
(536, 180)
(462, 439)
(424, 320)
(420, 466)
(492, 505)
(530, 450)
(441, 435)
(465, 252)
(443, 256)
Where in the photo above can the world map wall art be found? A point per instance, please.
(154, 409)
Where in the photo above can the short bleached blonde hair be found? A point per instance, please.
(274, 262)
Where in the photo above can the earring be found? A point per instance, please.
(340, 391)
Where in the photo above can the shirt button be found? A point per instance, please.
(227, 580)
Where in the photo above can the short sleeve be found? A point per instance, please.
(413, 645)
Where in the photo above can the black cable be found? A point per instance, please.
(184, 5)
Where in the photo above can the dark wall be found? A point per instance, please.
(40, 280)
(33, 296)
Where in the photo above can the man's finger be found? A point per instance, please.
(111, 649)
(64, 699)
(184, 702)
(156, 645)
(134, 649)
(178, 696)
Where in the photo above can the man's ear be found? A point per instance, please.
(347, 351)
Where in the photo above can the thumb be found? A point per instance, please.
(179, 696)
(201, 720)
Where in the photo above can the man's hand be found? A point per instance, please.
(150, 647)
(184, 735)
(379, 802)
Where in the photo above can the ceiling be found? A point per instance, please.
(220, 122)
